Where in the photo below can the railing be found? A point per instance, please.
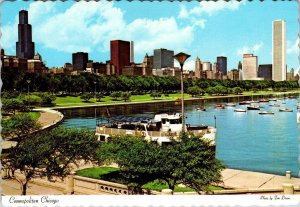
(116, 131)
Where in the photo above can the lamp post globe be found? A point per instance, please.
(181, 58)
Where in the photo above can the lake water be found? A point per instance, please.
(247, 141)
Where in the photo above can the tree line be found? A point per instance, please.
(74, 84)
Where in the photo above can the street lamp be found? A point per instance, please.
(181, 58)
(28, 81)
(96, 103)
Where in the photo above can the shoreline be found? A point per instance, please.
(164, 101)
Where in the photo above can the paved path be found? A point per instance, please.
(247, 179)
(237, 179)
(48, 117)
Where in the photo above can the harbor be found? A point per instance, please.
(245, 141)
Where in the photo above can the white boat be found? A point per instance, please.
(239, 110)
(285, 110)
(200, 109)
(298, 117)
(230, 104)
(161, 129)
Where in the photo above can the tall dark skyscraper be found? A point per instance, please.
(119, 54)
(222, 64)
(80, 60)
(24, 46)
(163, 58)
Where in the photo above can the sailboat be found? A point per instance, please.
(239, 110)
(298, 117)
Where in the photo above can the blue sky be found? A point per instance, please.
(206, 29)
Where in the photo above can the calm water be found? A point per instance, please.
(248, 141)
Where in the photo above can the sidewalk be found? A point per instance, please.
(246, 179)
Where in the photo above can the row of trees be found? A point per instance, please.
(90, 82)
(216, 90)
(52, 154)
(15, 101)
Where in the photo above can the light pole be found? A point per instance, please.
(28, 81)
(96, 103)
(181, 58)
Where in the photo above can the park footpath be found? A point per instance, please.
(239, 181)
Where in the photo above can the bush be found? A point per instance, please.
(86, 97)
(12, 105)
(33, 100)
(116, 95)
(47, 98)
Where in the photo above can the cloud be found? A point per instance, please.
(188, 65)
(9, 36)
(293, 47)
(89, 26)
(248, 49)
(209, 7)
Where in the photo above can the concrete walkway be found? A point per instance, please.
(48, 117)
(237, 179)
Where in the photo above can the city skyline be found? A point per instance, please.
(181, 34)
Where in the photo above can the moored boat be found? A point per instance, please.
(161, 129)
(274, 105)
(239, 110)
(266, 113)
(285, 110)
(219, 106)
(244, 103)
(230, 104)
(200, 109)
(263, 100)
(253, 107)
(272, 99)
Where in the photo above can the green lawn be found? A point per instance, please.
(34, 115)
(113, 175)
(76, 101)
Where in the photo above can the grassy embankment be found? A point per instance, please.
(113, 175)
(76, 101)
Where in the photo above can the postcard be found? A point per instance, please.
(150, 103)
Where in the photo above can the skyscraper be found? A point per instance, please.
(80, 60)
(222, 64)
(163, 58)
(119, 54)
(279, 50)
(131, 52)
(24, 46)
(198, 68)
(249, 67)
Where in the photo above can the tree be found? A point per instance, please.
(194, 90)
(12, 105)
(19, 126)
(125, 96)
(237, 90)
(50, 154)
(190, 161)
(155, 94)
(115, 95)
(47, 98)
(86, 97)
(99, 96)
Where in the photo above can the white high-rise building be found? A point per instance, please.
(250, 65)
(279, 50)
